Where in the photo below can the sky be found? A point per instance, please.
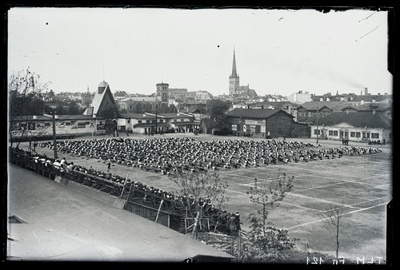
(277, 51)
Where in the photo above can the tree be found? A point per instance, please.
(332, 218)
(198, 186)
(265, 242)
(24, 90)
(73, 108)
(217, 109)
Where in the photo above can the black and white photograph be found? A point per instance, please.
(194, 135)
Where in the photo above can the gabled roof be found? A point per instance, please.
(369, 107)
(153, 116)
(276, 104)
(99, 97)
(58, 117)
(318, 105)
(371, 97)
(360, 119)
(254, 113)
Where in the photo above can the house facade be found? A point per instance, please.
(310, 112)
(36, 126)
(357, 127)
(265, 123)
(146, 123)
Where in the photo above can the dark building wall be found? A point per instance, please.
(300, 130)
(283, 125)
(303, 115)
(279, 125)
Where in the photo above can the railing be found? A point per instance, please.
(226, 243)
(162, 209)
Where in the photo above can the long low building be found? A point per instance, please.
(146, 123)
(358, 127)
(42, 125)
(32, 126)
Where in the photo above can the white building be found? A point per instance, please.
(300, 97)
(146, 123)
(358, 127)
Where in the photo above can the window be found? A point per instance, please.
(139, 121)
(182, 120)
(358, 134)
(375, 135)
(47, 124)
(333, 133)
(309, 114)
(67, 123)
(317, 132)
(352, 134)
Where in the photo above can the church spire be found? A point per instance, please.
(234, 73)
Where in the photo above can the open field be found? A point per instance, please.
(361, 183)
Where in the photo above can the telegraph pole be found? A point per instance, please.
(317, 124)
(54, 134)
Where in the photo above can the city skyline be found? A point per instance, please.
(277, 51)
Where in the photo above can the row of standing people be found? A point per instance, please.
(171, 155)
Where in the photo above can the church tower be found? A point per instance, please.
(234, 78)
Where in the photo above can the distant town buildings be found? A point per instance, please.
(300, 97)
(309, 112)
(357, 117)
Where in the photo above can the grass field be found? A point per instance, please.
(362, 184)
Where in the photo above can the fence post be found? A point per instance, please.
(159, 209)
(240, 243)
(194, 232)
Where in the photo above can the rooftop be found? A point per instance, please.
(360, 119)
(317, 105)
(253, 113)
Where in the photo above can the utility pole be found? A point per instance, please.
(156, 116)
(317, 125)
(54, 134)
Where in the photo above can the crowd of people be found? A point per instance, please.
(174, 155)
(179, 205)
